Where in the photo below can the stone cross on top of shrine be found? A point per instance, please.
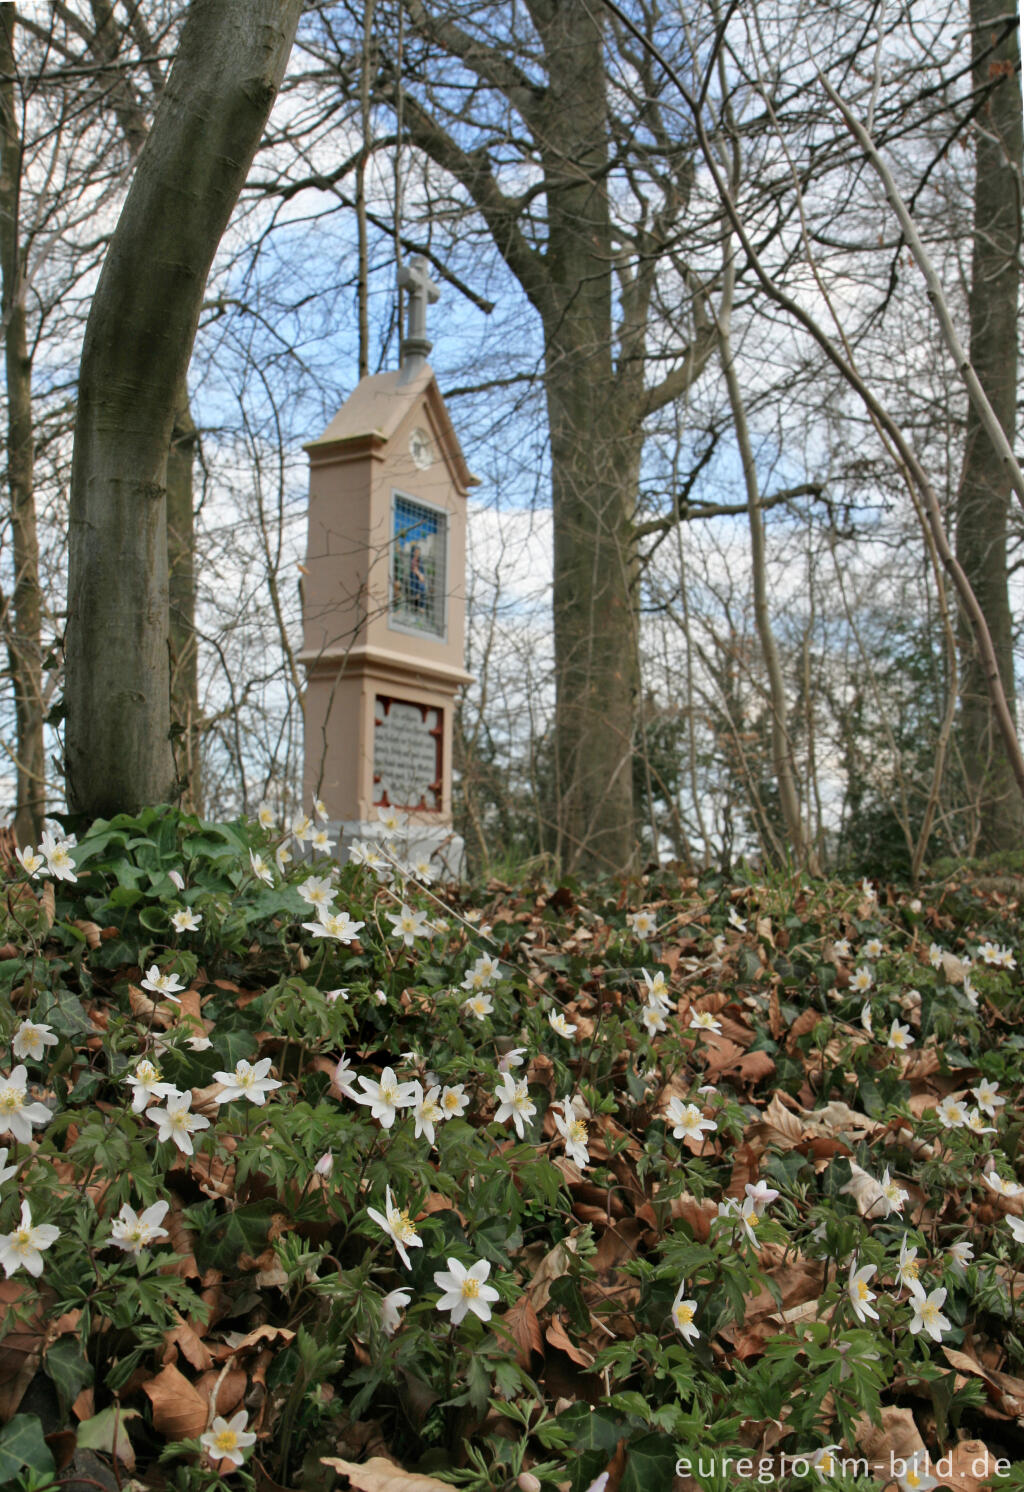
(415, 278)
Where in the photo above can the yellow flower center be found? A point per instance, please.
(910, 1270)
(451, 1100)
(23, 1240)
(753, 1220)
(11, 1099)
(400, 1225)
(684, 1314)
(578, 1132)
(226, 1441)
(389, 1092)
(470, 1288)
(863, 1292)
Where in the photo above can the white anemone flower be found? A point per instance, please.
(988, 1096)
(683, 1312)
(336, 925)
(899, 1037)
(893, 1193)
(703, 1020)
(559, 1024)
(58, 860)
(952, 1112)
(134, 1231)
(176, 1122)
(31, 1040)
(653, 1017)
(479, 1006)
(16, 1116)
(317, 890)
(23, 1247)
(228, 1440)
(168, 986)
(247, 1081)
(857, 1288)
(30, 862)
(147, 1082)
(408, 925)
(260, 869)
(913, 1478)
(657, 989)
(464, 1290)
(391, 1308)
(761, 1194)
(573, 1130)
(908, 1269)
(992, 1179)
(385, 1098)
(186, 920)
(750, 1219)
(398, 1226)
(426, 1110)
(960, 1255)
(454, 1100)
(688, 1120)
(928, 1313)
(514, 1103)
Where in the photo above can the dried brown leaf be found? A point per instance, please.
(521, 1320)
(380, 1475)
(179, 1410)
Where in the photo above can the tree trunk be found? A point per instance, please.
(138, 342)
(782, 747)
(181, 579)
(984, 496)
(594, 458)
(24, 626)
(594, 471)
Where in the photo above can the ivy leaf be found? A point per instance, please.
(650, 1462)
(22, 1444)
(68, 1369)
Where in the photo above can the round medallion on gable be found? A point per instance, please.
(421, 448)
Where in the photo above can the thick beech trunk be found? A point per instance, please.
(594, 458)
(984, 496)
(138, 342)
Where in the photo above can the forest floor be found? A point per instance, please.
(321, 1181)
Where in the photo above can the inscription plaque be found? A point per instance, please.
(407, 755)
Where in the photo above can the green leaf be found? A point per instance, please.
(154, 919)
(243, 1231)
(650, 1462)
(67, 1367)
(22, 1444)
